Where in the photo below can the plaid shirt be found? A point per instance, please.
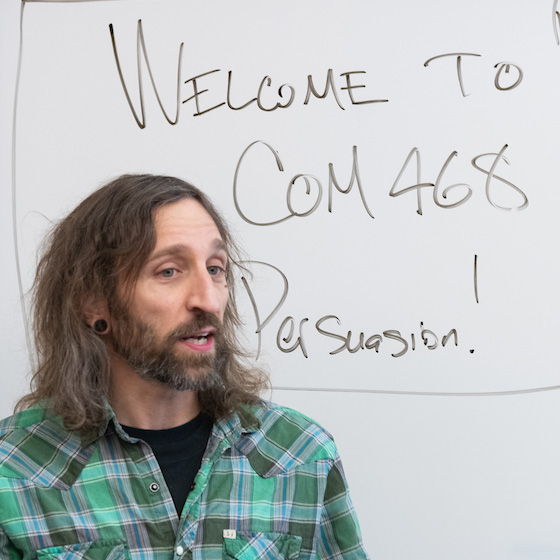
(270, 485)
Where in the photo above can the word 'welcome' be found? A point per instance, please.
(267, 97)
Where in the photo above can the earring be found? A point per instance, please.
(100, 326)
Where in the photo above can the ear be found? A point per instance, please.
(94, 309)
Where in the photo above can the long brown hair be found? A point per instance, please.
(104, 241)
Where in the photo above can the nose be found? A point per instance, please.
(204, 293)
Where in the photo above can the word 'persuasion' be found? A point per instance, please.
(440, 192)
(291, 335)
(267, 98)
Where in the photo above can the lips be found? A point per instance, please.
(201, 341)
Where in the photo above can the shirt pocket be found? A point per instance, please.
(96, 550)
(261, 546)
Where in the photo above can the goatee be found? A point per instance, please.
(138, 345)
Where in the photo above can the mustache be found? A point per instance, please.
(198, 323)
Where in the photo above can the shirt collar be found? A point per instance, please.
(231, 427)
(234, 426)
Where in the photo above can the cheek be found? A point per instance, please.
(152, 305)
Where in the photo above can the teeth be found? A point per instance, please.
(202, 339)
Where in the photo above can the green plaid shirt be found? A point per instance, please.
(270, 485)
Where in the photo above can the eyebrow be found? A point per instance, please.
(217, 245)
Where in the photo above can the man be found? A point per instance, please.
(144, 435)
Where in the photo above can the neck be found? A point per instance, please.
(146, 404)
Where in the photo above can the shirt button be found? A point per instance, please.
(154, 486)
(179, 550)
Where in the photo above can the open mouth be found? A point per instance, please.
(202, 341)
(199, 340)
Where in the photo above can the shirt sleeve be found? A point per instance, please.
(340, 536)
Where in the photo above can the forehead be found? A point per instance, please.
(185, 221)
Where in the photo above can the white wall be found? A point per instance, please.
(13, 350)
(449, 452)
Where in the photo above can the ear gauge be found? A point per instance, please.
(100, 326)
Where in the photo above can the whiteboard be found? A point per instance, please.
(391, 171)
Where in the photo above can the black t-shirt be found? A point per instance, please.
(179, 453)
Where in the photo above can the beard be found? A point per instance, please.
(158, 360)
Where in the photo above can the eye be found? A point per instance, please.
(215, 270)
(167, 272)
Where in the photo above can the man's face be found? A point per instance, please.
(170, 329)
